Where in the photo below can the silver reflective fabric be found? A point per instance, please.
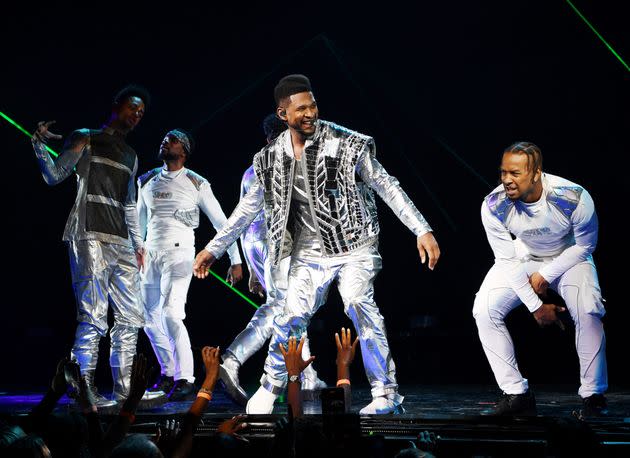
(104, 273)
(260, 327)
(309, 281)
(85, 162)
(255, 255)
(342, 171)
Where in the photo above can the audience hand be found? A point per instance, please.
(293, 356)
(59, 384)
(211, 361)
(138, 383)
(345, 347)
(232, 426)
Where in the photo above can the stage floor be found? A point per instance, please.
(453, 413)
(444, 401)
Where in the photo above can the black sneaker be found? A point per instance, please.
(183, 391)
(515, 405)
(594, 406)
(164, 383)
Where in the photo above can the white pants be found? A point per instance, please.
(579, 287)
(165, 283)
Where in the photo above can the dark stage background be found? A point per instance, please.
(442, 86)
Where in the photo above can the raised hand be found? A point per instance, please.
(546, 314)
(345, 347)
(293, 356)
(428, 246)
(72, 374)
(42, 133)
(59, 384)
(203, 261)
(211, 361)
(138, 382)
(232, 426)
(235, 274)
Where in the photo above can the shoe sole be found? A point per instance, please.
(231, 389)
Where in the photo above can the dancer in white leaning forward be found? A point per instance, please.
(555, 227)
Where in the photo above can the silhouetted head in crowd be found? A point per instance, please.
(27, 447)
(67, 434)
(9, 433)
(136, 446)
(414, 453)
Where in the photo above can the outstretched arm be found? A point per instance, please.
(240, 219)
(388, 188)
(211, 207)
(55, 172)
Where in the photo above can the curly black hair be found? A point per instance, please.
(133, 90)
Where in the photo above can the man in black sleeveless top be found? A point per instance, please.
(102, 235)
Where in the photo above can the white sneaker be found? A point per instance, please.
(313, 385)
(382, 406)
(261, 402)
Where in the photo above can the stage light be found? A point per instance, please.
(26, 132)
(598, 35)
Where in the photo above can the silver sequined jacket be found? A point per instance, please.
(342, 171)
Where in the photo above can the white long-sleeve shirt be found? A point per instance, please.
(168, 207)
(561, 227)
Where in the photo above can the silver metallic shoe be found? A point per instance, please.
(228, 377)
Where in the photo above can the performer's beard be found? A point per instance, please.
(166, 155)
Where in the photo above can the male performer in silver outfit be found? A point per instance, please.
(555, 228)
(102, 235)
(262, 277)
(315, 182)
(169, 200)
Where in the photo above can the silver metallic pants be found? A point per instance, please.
(310, 278)
(260, 327)
(102, 272)
(256, 253)
(579, 287)
(165, 283)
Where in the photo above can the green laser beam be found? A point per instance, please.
(598, 34)
(25, 132)
(218, 277)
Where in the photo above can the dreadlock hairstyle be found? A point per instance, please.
(534, 155)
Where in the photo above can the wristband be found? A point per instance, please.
(124, 413)
(343, 381)
(203, 394)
